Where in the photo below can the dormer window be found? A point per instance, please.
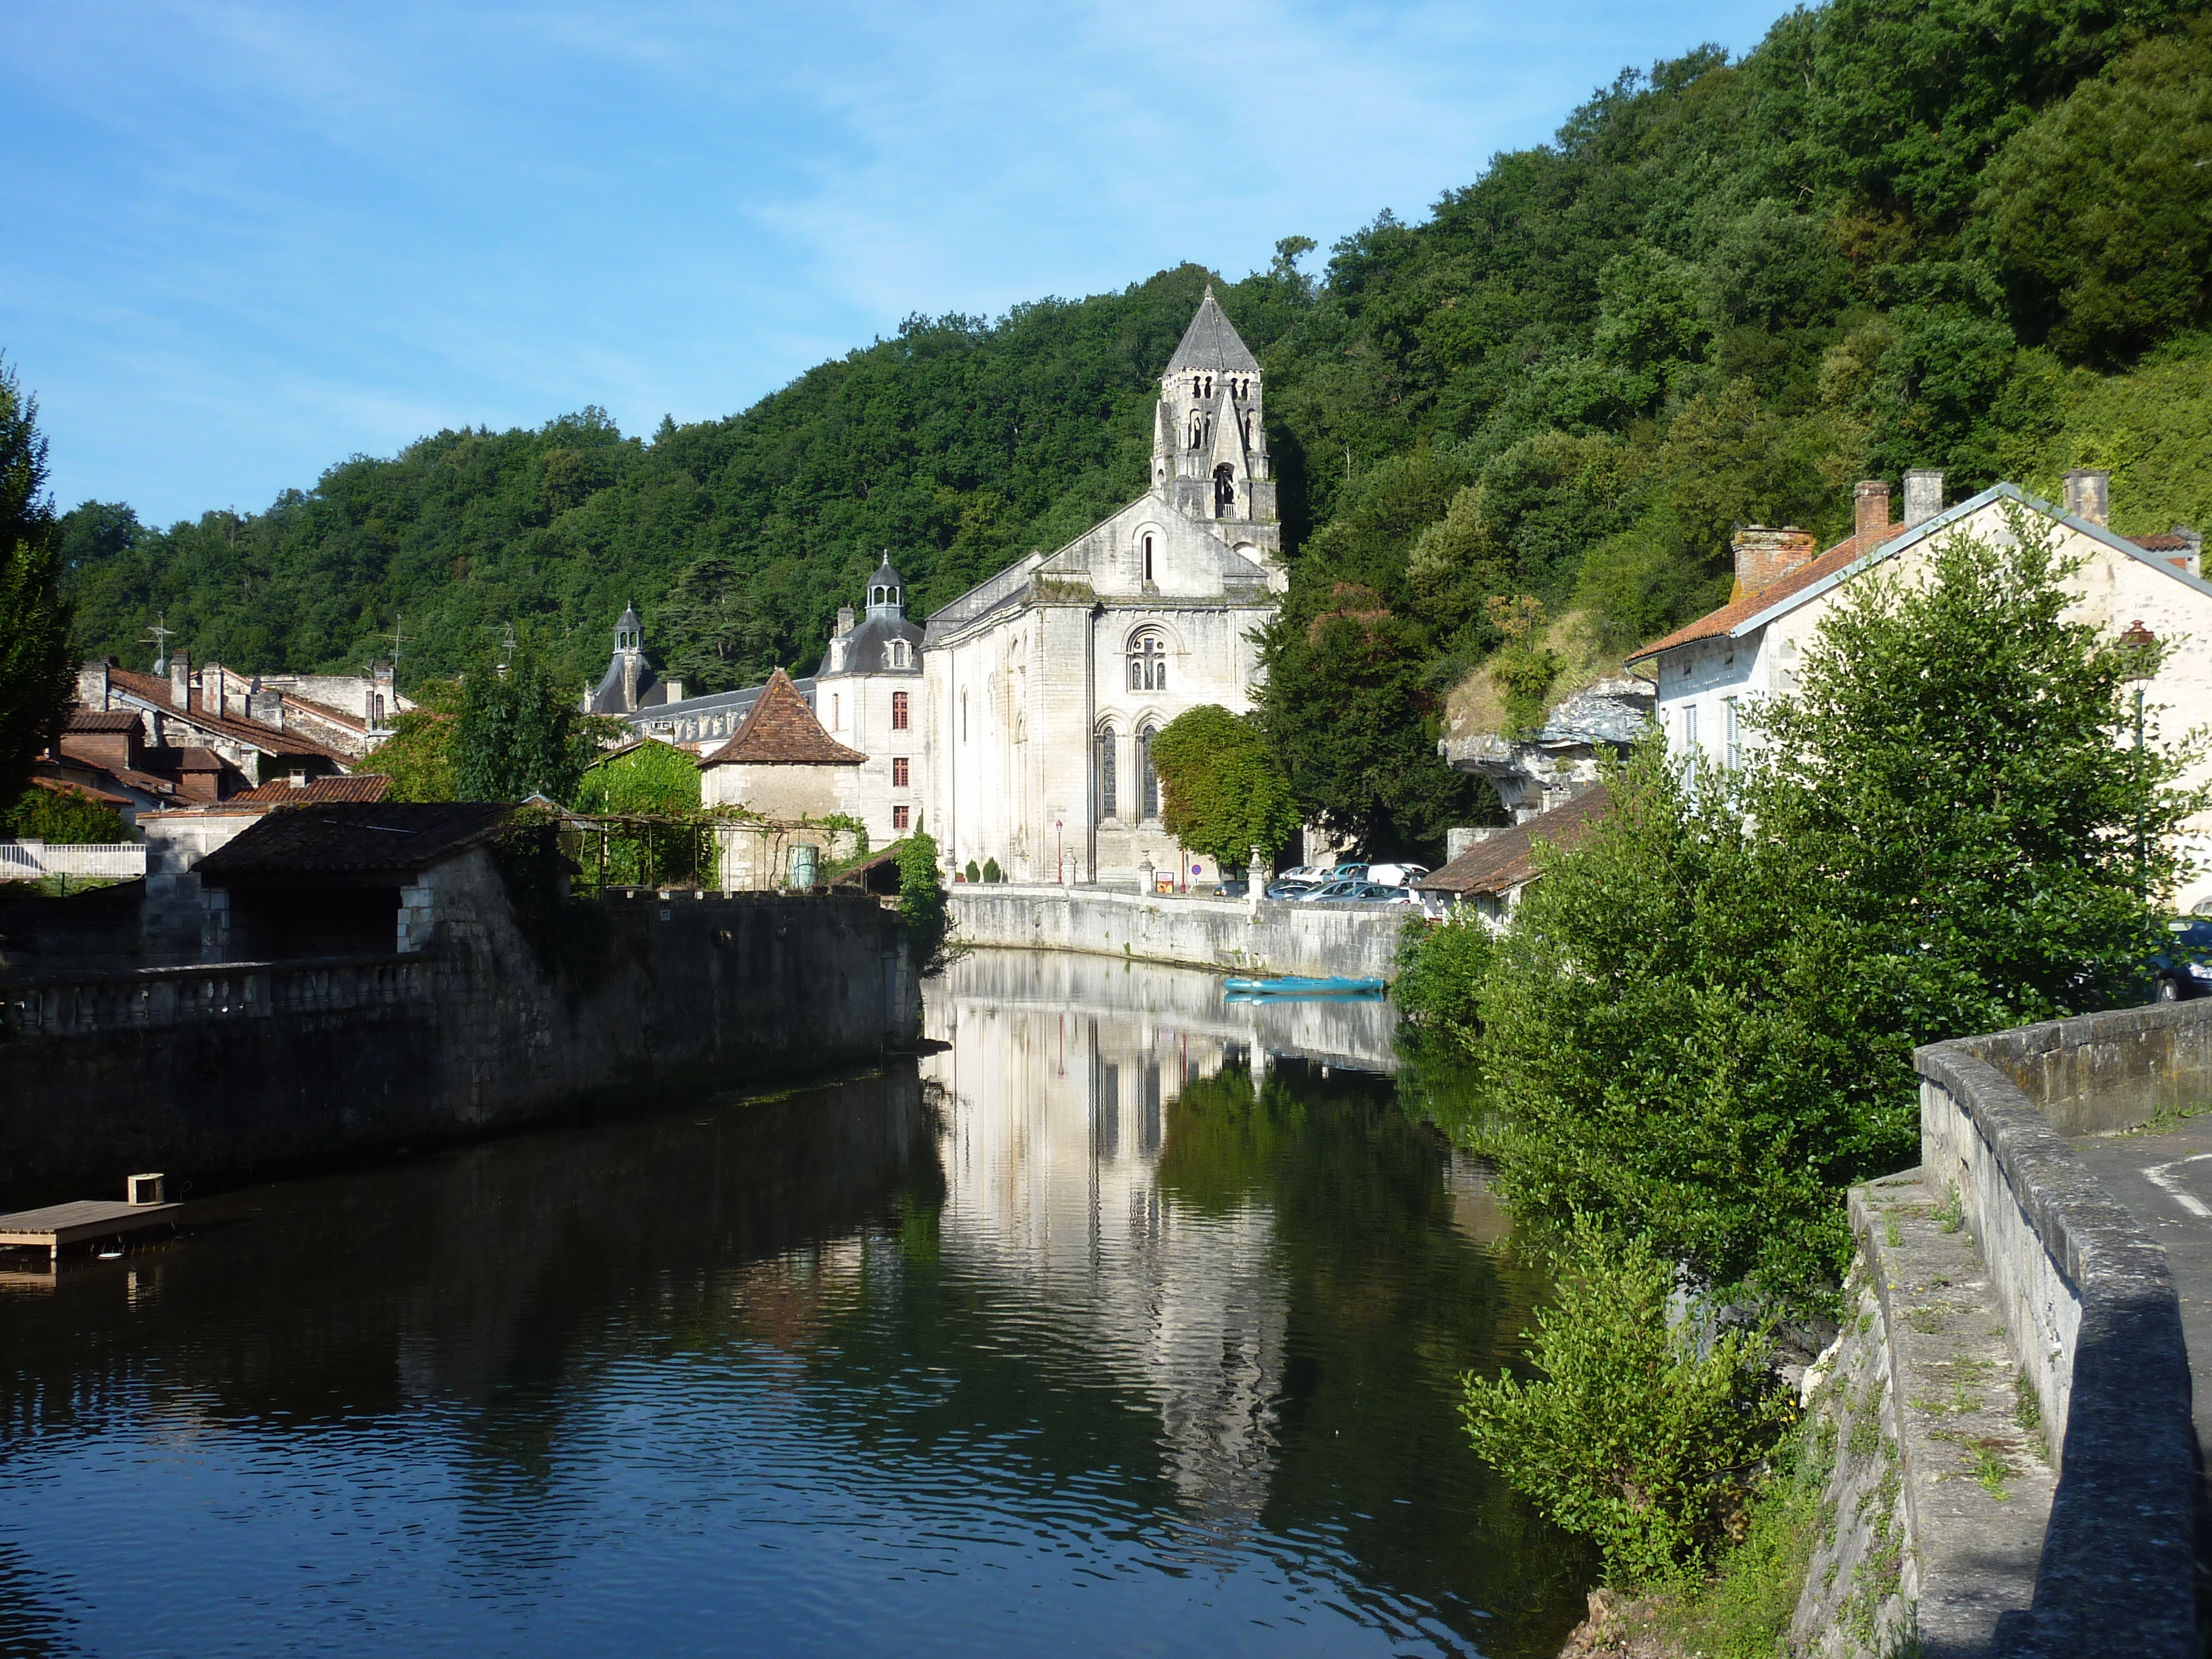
(898, 654)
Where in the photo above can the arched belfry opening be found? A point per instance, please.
(1224, 490)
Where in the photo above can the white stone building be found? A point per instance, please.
(1710, 673)
(782, 764)
(868, 696)
(1045, 685)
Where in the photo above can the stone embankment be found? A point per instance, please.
(216, 1070)
(1226, 935)
(2016, 1469)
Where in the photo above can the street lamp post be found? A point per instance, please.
(2142, 648)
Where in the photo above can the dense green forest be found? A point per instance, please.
(1971, 234)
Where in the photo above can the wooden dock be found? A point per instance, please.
(87, 1217)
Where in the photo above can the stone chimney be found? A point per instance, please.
(266, 709)
(1871, 513)
(844, 619)
(675, 690)
(1764, 556)
(1924, 496)
(91, 684)
(180, 681)
(2089, 497)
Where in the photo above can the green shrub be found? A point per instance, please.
(921, 901)
(1441, 968)
(991, 871)
(973, 874)
(1632, 1437)
(64, 817)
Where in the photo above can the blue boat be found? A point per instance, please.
(1302, 988)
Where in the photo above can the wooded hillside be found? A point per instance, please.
(1971, 234)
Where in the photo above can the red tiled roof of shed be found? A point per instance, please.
(283, 792)
(1508, 858)
(781, 730)
(100, 720)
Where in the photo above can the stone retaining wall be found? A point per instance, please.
(205, 1072)
(1227, 935)
(2090, 1308)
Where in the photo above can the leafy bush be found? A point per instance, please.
(991, 871)
(1441, 967)
(64, 817)
(921, 901)
(1637, 1435)
(973, 874)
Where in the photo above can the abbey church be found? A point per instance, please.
(1020, 729)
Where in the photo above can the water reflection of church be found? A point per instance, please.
(1056, 1111)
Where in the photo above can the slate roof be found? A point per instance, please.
(1508, 858)
(781, 730)
(868, 647)
(1212, 342)
(152, 688)
(343, 838)
(283, 792)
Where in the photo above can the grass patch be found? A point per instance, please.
(1743, 1611)
(1953, 1215)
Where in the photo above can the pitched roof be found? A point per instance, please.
(334, 837)
(1724, 621)
(781, 730)
(100, 720)
(283, 792)
(1508, 858)
(1212, 342)
(323, 711)
(61, 783)
(1846, 559)
(156, 691)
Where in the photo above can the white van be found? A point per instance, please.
(1396, 875)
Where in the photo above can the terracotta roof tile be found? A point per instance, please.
(156, 691)
(61, 783)
(283, 792)
(1718, 623)
(781, 730)
(1508, 858)
(101, 720)
(2166, 541)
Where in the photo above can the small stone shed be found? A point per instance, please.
(781, 763)
(1492, 874)
(345, 878)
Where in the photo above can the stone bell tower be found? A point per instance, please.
(1209, 445)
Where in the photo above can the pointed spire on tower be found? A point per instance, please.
(1212, 342)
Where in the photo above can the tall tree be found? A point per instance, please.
(1225, 793)
(518, 733)
(35, 683)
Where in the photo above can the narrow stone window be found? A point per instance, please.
(1151, 779)
(836, 712)
(963, 717)
(1148, 557)
(1109, 806)
(1148, 663)
(1731, 745)
(898, 771)
(899, 708)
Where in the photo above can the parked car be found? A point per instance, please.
(1334, 890)
(1232, 884)
(1380, 892)
(1396, 875)
(2183, 968)
(1305, 873)
(1348, 872)
(1288, 889)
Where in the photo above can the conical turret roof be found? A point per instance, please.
(1211, 341)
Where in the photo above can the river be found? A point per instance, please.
(1126, 1321)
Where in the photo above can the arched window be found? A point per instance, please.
(1109, 805)
(1225, 490)
(1197, 429)
(1148, 555)
(1149, 780)
(1148, 663)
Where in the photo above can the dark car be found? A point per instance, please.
(1292, 887)
(2184, 968)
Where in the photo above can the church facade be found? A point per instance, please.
(1017, 726)
(1046, 684)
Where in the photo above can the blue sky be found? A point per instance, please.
(246, 240)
